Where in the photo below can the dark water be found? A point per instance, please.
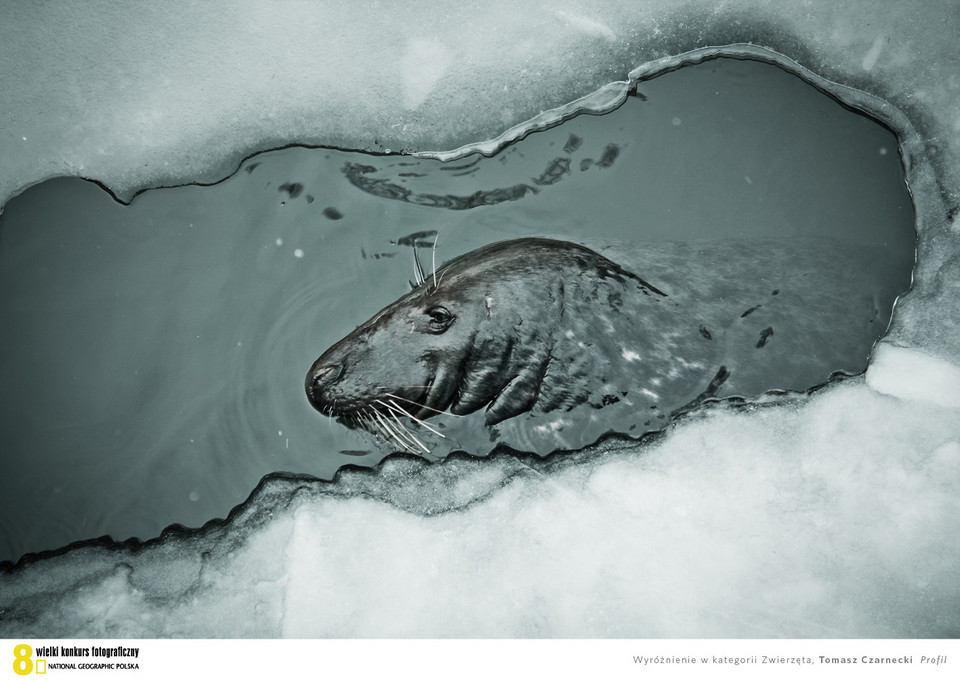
(152, 355)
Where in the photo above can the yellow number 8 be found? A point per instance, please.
(22, 663)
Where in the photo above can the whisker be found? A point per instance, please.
(394, 410)
(395, 406)
(330, 410)
(436, 237)
(417, 268)
(409, 434)
(382, 419)
(363, 421)
(379, 432)
(436, 284)
(396, 437)
(371, 426)
(416, 403)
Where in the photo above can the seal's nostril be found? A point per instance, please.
(327, 373)
(320, 377)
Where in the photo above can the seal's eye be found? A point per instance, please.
(440, 319)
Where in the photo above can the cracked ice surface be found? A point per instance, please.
(827, 517)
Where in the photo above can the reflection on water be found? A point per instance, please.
(153, 354)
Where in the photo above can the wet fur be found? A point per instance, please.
(520, 330)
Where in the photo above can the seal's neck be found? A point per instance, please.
(529, 353)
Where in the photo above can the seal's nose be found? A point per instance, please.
(320, 377)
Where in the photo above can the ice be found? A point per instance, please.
(146, 96)
(833, 516)
(423, 63)
(585, 24)
(871, 57)
(914, 375)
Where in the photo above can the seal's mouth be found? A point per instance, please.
(386, 418)
(321, 387)
(391, 415)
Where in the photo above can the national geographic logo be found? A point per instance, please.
(74, 658)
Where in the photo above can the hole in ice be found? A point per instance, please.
(152, 352)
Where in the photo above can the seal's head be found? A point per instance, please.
(480, 333)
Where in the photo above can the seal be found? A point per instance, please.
(563, 344)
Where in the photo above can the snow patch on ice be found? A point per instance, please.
(870, 58)
(914, 375)
(587, 25)
(422, 65)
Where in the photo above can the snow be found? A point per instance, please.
(914, 375)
